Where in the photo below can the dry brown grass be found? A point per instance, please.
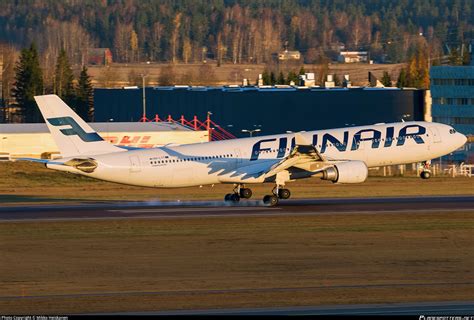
(274, 261)
(22, 183)
(233, 74)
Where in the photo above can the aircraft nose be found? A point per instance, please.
(462, 139)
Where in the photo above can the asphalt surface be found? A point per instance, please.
(456, 308)
(190, 209)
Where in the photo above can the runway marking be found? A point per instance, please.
(221, 213)
(238, 290)
(201, 209)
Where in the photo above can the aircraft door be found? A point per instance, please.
(435, 134)
(238, 157)
(361, 149)
(135, 164)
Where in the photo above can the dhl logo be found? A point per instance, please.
(130, 141)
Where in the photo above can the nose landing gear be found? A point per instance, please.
(426, 171)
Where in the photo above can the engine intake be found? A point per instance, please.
(347, 172)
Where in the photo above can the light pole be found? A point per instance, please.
(143, 97)
(250, 132)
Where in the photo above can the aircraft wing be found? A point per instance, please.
(303, 156)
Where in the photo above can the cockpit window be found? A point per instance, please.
(452, 131)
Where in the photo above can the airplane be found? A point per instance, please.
(341, 155)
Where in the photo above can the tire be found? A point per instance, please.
(245, 193)
(234, 197)
(227, 197)
(425, 175)
(284, 194)
(270, 200)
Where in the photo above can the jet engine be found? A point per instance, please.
(346, 172)
(87, 165)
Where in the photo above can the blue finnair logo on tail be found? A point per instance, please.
(75, 129)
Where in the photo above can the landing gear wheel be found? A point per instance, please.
(425, 174)
(234, 197)
(284, 194)
(245, 193)
(270, 200)
(227, 197)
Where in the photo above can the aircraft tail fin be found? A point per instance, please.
(73, 136)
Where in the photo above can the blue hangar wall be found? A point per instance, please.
(271, 110)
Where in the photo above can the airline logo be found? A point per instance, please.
(74, 130)
(130, 141)
(372, 135)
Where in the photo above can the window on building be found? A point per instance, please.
(459, 120)
(451, 82)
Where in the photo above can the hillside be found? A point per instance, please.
(119, 75)
(236, 31)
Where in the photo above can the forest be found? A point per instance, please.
(235, 31)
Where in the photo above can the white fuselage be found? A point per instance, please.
(240, 160)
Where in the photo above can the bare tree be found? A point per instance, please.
(187, 50)
(174, 36)
(155, 41)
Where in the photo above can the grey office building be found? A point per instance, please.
(452, 90)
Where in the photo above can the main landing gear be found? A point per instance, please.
(426, 172)
(238, 193)
(278, 193)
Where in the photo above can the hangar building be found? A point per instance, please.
(270, 109)
(34, 139)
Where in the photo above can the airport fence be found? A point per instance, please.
(414, 169)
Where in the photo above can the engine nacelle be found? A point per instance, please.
(347, 172)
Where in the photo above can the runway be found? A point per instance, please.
(196, 209)
(452, 308)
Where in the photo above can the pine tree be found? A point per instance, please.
(412, 73)
(266, 77)
(84, 96)
(302, 71)
(281, 78)
(402, 79)
(28, 83)
(272, 78)
(386, 80)
(292, 76)
(63, 78)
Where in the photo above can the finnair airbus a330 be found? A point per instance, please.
(339, 155)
